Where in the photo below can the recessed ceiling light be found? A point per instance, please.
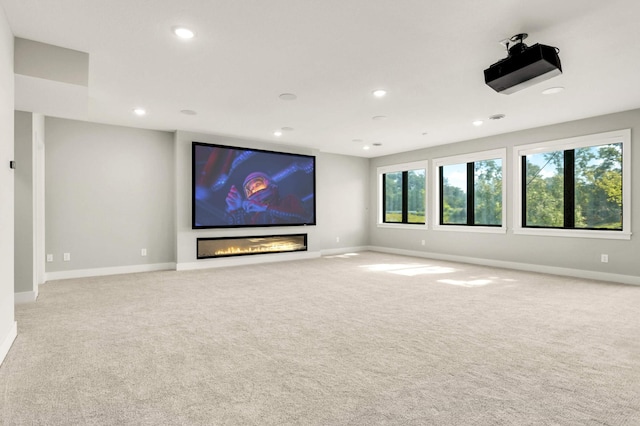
(379, 93)
(497, 117)
(552, 90)
(478, 123)
(183, 33)
(277, 133)
(188, 112)
(424, 133)
(140, 111)
(288, 97)
(366, 147)
(377, 144)
(379, 117)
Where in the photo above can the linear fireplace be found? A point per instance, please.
(241, 246)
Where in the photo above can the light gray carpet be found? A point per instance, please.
(368, 339)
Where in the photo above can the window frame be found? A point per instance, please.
(500, 153)
(381, 171)
(618, 136)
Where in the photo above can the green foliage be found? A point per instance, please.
(454, 208)
(416, 193)
(611, 184)
(487, 196)
(393, 192)
(545, 196)
(597, 188)
(397, 217)
(488, 192)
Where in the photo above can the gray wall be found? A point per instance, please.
(29, 205)
(554, 252)
(49, 62)
(341, 203)
(24, 204)
(7, 323)
(109, 193)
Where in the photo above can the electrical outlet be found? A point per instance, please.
(604, 258)
(66, 257)
(49, 258)
(423, 242)
(337, 239)
(143, 252)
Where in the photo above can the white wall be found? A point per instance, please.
(109, 194)
(8, 327)
(573, 256)
(341, 204)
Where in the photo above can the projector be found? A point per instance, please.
(524, 67)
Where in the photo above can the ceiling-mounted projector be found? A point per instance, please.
(523, 67)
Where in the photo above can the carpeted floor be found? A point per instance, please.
(362, 339)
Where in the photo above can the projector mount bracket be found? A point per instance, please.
(515, 44)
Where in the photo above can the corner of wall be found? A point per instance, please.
(8, 341)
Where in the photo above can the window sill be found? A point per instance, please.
(476, 229)
(574, 233)
(420, 226)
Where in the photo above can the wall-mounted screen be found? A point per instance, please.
(242, 187)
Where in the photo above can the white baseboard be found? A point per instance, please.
(279, 257)
(25, 297)
(344, 250)
(245, 260)
(8, 341)
(553, 270)
(115, 270)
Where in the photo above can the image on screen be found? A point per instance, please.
(241, 187)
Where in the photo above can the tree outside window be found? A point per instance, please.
(404, 196)
(577, 188)
(393, 197)
(471, 193)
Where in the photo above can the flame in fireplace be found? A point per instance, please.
(263, 248)
(251, 245)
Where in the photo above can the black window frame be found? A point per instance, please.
(569, 180)
(471, 211)
(405, 198)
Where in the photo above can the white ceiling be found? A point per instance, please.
(428, 55)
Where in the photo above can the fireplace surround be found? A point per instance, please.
(208, 248)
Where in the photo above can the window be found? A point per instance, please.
(578, 186)
(403, 195)
(471, 191)
(453, 187)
